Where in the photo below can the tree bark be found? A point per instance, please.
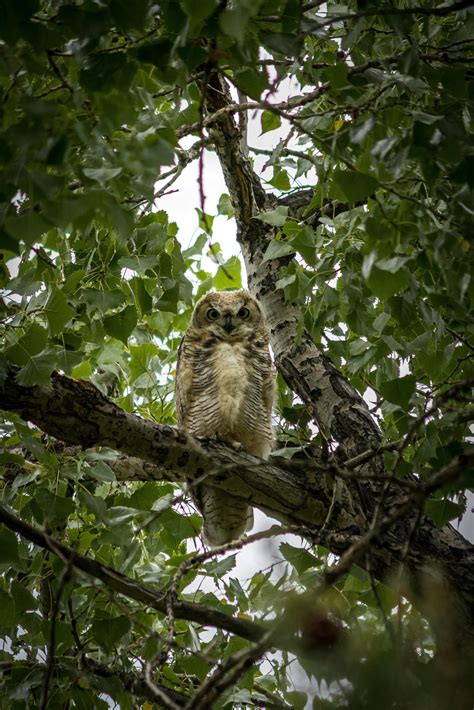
(433, 557)
(302, 494)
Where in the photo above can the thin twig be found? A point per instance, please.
(65, 576)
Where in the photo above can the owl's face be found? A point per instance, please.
(230, 315)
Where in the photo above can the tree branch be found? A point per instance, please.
(338, 409)
(118, 582)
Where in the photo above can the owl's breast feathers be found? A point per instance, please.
(228, 392)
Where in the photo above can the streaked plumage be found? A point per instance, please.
(224, 388)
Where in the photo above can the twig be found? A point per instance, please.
(57, 71)
(65, 576)
(227, 673)
(159, 693)
(448, 473)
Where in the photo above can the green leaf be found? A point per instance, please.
(38, 369)
(234, 21)
(224, 206)
(336, 75)
(392, 265)
(251, 82)
(29, 344)
(269, 121)
(399, 390)
(102, 300)
(442, 511)
(168, 302)
(57, 310)
(353, 186)
(109, 631)
(27, 227)
(221, 567)
(103, 174)
(8, 546)
(7, 610)
(386, 284)
(122, 324)
(300, 558)
(24, 600)
(199, 11)
(277, 249)
(101, 472)
(276, 217)
(54, 508)
(228, 275)
(280, 180)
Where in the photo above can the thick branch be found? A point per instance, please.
(78, 413)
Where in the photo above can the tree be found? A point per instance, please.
(358, 247)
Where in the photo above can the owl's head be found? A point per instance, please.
(228, 314)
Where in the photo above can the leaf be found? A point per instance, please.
(8, 546)
(228, 275)
(269, 121)
(7, 610)
(141, 356)
(392, 265)
(101, 472)
(277, 249)
(221, 567)
(276, 217)
(24, 600)
(353, 185)
(442, 511)
(385, 283)
(102, 175)
(58, 311)
(300, 558)
(109, 631)
(285, 281)
(280, 180)
(118, 514)
(102, 300)
(27, 227)
(224, 206)
(168, 301)
(54, 507)
(122, 324)
(251, 82)
(233, 22)
(399, 390)
(29, 344)
(38, 369)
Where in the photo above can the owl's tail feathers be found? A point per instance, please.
(226, 517)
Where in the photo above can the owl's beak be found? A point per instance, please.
(228, 325)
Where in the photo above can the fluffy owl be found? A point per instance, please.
(224, 389)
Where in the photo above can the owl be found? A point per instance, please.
(224, 389)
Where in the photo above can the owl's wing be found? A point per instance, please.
(184, 381)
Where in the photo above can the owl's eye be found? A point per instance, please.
(212, 314)
(243, 313)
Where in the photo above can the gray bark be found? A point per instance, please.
(434, 558)
(300, 493)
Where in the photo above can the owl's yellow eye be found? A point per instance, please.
(243, 313)
(212, 314)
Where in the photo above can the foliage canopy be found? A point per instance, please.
(369, 184)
